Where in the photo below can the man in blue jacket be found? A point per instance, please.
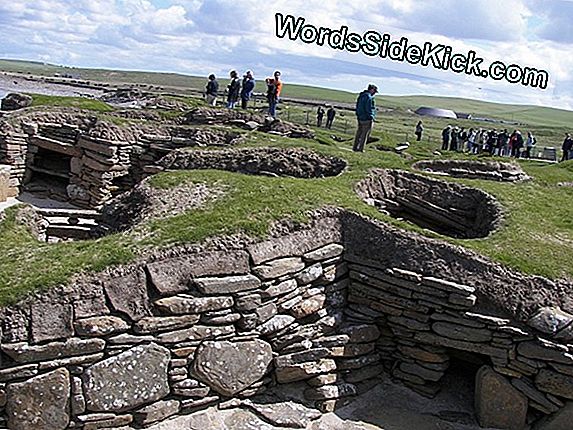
(365, 113)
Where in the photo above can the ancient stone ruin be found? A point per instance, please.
(334, 303)
(488, 170)
(446, 208)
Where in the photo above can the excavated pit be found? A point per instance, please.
(445, 208)
(488, 170)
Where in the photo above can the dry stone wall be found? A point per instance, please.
(332, 304)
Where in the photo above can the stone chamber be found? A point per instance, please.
(333, 305)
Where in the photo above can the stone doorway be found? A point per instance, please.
(48, 174)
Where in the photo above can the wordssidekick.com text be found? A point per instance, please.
(376, 44)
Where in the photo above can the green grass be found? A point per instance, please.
(75, 102)
(536, 238)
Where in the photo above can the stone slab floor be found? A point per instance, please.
(388, 406)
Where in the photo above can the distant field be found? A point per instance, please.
(532, 116)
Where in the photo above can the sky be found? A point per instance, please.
(199, 37)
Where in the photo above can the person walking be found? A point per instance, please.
(365, 114)
(234, 88)
(319, 116)
(419, 131)
(567, 147)
(212, 90)
(247, 88)
(446, 137)
(274, 88)
(330, 113)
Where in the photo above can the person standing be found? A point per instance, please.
(319, 116)
(365, 114)
(330, 113)
(247, 88)
(212, 90)
(274, 88)
(234, 88)
(419, 130)
(446, 137)
(567, 147)
(454, 139)
(529, 144)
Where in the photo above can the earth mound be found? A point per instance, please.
(293, 162)
(446, 208)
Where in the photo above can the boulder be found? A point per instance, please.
(230, 367)
(40, 403)
(15, 101)
(133, 378)
(498, 404)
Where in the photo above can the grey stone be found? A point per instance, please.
(277, 268)
(324, 253)
(181, 305)
(227, 285)
(450, 287)
(287, 414)
(159, 324)
(25, 353)
(230, 367)
(128, 380)
(275, 324)
(280, 288)
(100, 326)
(40, 403)
(545, 352)
(363, 374)
(309, 274)
(129, 339)
(128, 294)
(328, 379)
(198, 392)
(116, 422)
(554, 383)
(560, 420)
(71, 361)
(421, 371)
(461, 332)
(302, 371)
(308, 307)
(327, 392)
(529, 390)
(480, 348)
(17, 372)
(325, 232)
(550, 320)
(301, 357)
(173, 275)
(352, 349)
(214, 319)
(51, 319)
(248, 302)
(198, 332)
(357, 362)
(497, 403)
(359, 333)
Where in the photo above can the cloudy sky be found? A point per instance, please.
(213, 36)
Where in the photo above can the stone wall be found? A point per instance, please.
(326, 304)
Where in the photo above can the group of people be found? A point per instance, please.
(500, 143)
(330, 114)
(243, 89)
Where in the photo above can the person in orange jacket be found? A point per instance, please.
(274, 88)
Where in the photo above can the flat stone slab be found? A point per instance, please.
(227, 284)
(181, 305)
(278, 268)
(230, 367)
(287, 414)
(40, 403)
(128, 380)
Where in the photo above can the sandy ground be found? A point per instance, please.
(36, 202)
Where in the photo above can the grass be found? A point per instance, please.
(74, 102)
(536, 238)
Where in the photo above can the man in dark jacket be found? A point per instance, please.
(365, 113)
(234, 88)
(446, 137)
(319, 116)
(330, 113)
(567, 147)
(211, 90)
(247, 90)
